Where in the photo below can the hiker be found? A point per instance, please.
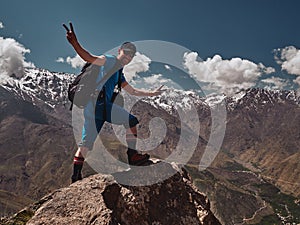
(103, 113)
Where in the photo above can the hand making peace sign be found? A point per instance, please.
(70, 34)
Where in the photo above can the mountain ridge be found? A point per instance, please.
(262, 135)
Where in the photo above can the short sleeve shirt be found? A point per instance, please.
(112, 81)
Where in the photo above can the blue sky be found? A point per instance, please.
(252, 32)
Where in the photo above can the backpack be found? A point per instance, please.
(84, 87)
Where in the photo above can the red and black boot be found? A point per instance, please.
(78, 164)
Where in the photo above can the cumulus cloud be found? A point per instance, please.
(139, 63)
(225, 76)
(60, 60)
(75, 62)
(154, 81)
(1, 25)
(289, 59)
(297, 81)
(12, 58)
(275, 83)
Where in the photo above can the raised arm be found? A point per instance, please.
(138, 92)
(84, 54)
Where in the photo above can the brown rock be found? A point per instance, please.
(101, 199)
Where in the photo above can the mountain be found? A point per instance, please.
(254, 178)
(36, 138)
(266, 127)
(260, 157)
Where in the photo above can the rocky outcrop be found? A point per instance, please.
(101, 199)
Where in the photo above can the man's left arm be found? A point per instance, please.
(138, 92)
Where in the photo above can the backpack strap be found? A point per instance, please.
(120, 73)
(114, 69)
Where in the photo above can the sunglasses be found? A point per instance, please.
(129, 52)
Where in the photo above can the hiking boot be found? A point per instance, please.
(138, 159)
(76, 177)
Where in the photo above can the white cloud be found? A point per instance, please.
(275, 83)
(168, 67)
(12, 57)
(297, 81)
(139, 63)
(289, 59)
(154, 81)
(60, 60)
(75, 62)
(1, 25)
(225, 76)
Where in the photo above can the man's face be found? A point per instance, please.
(125, 56)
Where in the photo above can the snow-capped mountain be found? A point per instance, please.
(262, 130)
(256, 97)
(50, 88)
(40, 85)
(173, 100)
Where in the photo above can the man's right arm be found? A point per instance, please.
(84, 54)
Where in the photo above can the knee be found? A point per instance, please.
(82, 151)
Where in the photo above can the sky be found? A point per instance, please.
(232, 44)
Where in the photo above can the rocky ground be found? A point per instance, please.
(101, 199)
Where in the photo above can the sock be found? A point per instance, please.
(78, 164)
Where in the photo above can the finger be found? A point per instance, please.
(65, 26)
(71, 26)
(160, 87)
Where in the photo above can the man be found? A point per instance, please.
(101, 111)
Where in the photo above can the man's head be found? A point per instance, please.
(126, 52)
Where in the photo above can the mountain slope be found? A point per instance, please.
(36, 149)
(259, 155)
(263, 129)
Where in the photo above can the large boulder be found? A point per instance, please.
(105, 199)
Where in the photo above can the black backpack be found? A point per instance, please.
(84, 87)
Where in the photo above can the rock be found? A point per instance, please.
(101, 199)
